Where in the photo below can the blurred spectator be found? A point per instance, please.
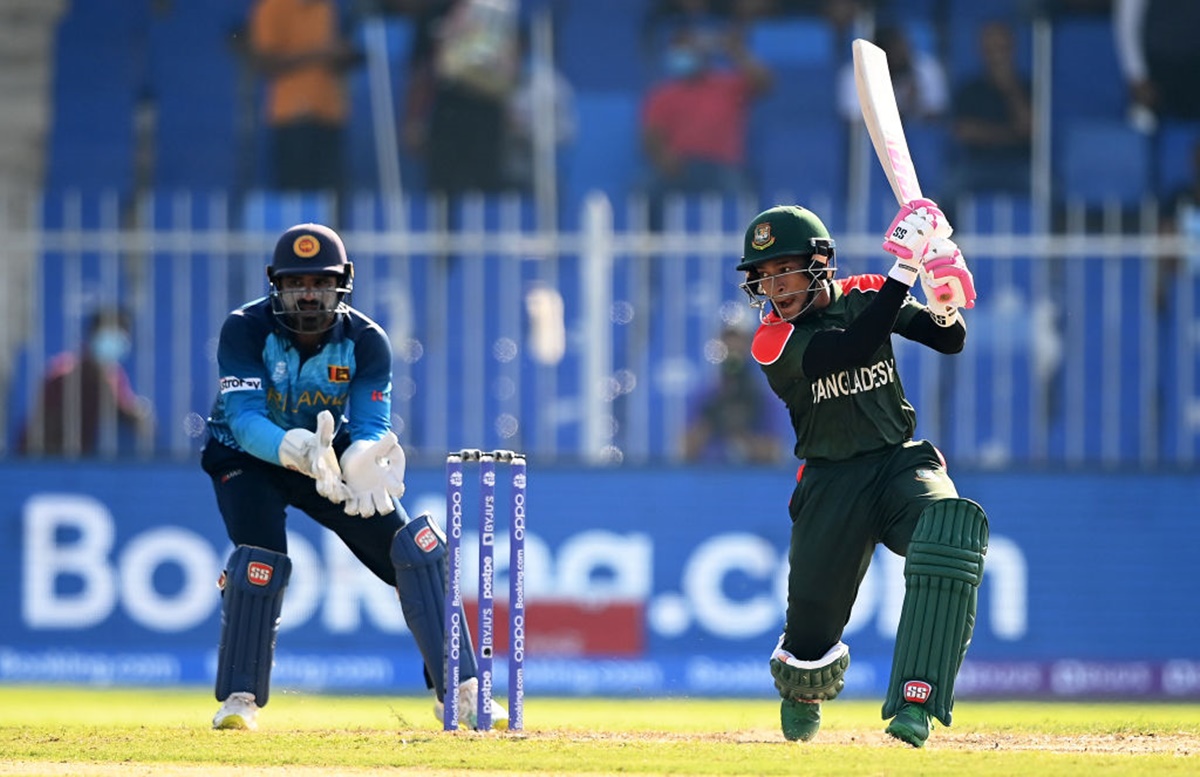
(524, 108)
(694, 120)
(1183, 218)
(843, 15)
(1157, 47)
(992, 124)
(463, 72)
(86, 404)
(668, 14)
(918, 79)
(1057, 8)
(733, 421)
(671, 15)
(1186, 216)
(298, 48)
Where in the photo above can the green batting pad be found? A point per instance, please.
(942, 572)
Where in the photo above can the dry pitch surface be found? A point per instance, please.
(115, 733)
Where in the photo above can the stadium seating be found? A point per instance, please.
(91, 143)
(196, 139)
(798, 42)
(270, 211)
(600, 44)
(1086, 80)
(361, 158)
(606, 154)
(205, 136)
(1175, 150)
(1104, 161)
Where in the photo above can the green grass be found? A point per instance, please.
(132, 732)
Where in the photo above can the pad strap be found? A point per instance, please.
(419, 556)
(252, 588)
(942, 572)
(819, 680)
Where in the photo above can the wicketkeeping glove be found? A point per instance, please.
(947, 282)
(916, 223)
(374, 475)
(312, 453)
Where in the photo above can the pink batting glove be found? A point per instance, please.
(945, 277)
(916, 223)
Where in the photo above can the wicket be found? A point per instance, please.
(487, 461)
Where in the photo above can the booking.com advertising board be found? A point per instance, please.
(658, 582)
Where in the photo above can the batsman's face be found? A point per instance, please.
(786, 281)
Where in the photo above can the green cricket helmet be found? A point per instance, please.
(787, 230)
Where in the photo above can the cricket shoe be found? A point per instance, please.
(237, 712)
(912, 724)
(800, 720)
(468, 707)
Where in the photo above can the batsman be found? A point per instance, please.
(825, 346)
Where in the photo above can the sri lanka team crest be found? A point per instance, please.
(762, 236)
(306, 246)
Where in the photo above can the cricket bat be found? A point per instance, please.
(873, 81)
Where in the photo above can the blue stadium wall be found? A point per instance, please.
(663, 582)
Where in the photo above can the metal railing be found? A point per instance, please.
(586, 344)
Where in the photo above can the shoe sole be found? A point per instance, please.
(498, 724)
(906, 735)
(232, 723)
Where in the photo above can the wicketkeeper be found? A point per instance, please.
(826, 350)
(303, 418)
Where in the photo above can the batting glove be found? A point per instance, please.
(947, 282)
(916, 223)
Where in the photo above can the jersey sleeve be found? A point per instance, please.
(917, 324)
(909, 309)
(371, 389)
(870, 318)
(243, 387)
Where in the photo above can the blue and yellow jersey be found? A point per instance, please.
(266, 387)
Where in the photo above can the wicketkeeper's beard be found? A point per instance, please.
(312, 322)
(308, 316)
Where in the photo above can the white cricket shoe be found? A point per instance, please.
(468, 707)
(239, 711)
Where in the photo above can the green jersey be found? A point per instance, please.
(849, 412)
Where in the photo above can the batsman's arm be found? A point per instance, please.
(834, 350)
(918, 323)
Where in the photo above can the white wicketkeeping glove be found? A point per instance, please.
(947, 282)
(916, 223)
(374, 475)
(312, 453)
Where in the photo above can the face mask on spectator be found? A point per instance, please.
(682, 61)
(110, 346)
